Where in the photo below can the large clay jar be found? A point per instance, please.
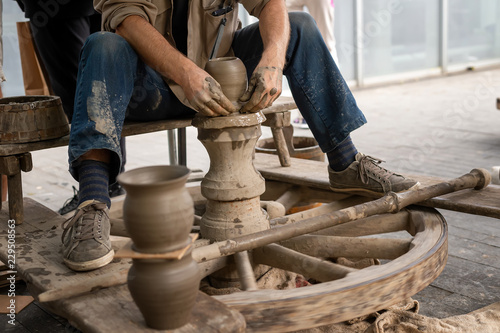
(231, 74)
(158, 211)
(164, 290)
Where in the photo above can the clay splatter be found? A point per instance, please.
(99, 110)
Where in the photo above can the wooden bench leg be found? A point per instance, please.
(277, 121)
(181, 146)
(12, 167)
(172, 147)
(3, 189)
(15, 186)
(281, 146)
(177, 146)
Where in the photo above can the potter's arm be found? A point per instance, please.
(266, 82)
(202, 91)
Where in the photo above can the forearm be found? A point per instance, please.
(154, 50)
(202, 91)
(274, 28)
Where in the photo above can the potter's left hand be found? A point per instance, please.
(263, 89)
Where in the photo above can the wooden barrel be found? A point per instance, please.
(31, 119)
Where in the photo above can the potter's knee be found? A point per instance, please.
(303, 23)
(105, 43)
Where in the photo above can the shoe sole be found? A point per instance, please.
(370, 193)
(91, 264)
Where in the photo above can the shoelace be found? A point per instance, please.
(87, 225)
(371, 163)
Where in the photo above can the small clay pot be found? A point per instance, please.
(164, 290)
(158, 211)
(231, 74)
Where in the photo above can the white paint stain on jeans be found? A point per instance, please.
(99, 111)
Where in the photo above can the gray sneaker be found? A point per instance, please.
(85, 239)
(366, 176)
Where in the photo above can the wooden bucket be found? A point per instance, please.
(31, 119)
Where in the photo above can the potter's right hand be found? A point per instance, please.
(205, 95)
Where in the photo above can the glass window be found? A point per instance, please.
(11, 59)
(344, 35)
(400, 36)
(474, 30)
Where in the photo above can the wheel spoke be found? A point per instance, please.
(311, 267)
(212, 266)
(349, 247)
(245, 271)
(373, 225)
(291, 197)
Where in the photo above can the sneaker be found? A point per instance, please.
(366, 176)
(71, 204)
(85, 238)
(115, 190)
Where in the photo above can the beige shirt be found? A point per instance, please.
(202, 26)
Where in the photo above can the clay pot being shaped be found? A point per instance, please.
(158, 211)
(164, 290)
(231, 74)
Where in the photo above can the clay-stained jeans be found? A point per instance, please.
(114, 84)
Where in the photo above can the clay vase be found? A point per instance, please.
(231, 74)
(158, 211)
(164, 290)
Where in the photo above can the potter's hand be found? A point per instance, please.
(263, 89)
(205, 96)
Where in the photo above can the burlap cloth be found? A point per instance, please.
(485, 320)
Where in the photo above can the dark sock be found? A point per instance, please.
(94, 179)
(343, 155)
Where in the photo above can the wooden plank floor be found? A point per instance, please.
(442, 127)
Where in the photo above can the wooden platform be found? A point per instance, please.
(39, 259)
(39, 263)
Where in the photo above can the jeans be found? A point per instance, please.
(114, 85)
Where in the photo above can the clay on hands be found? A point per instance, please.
(263, 89)
(210, 101)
